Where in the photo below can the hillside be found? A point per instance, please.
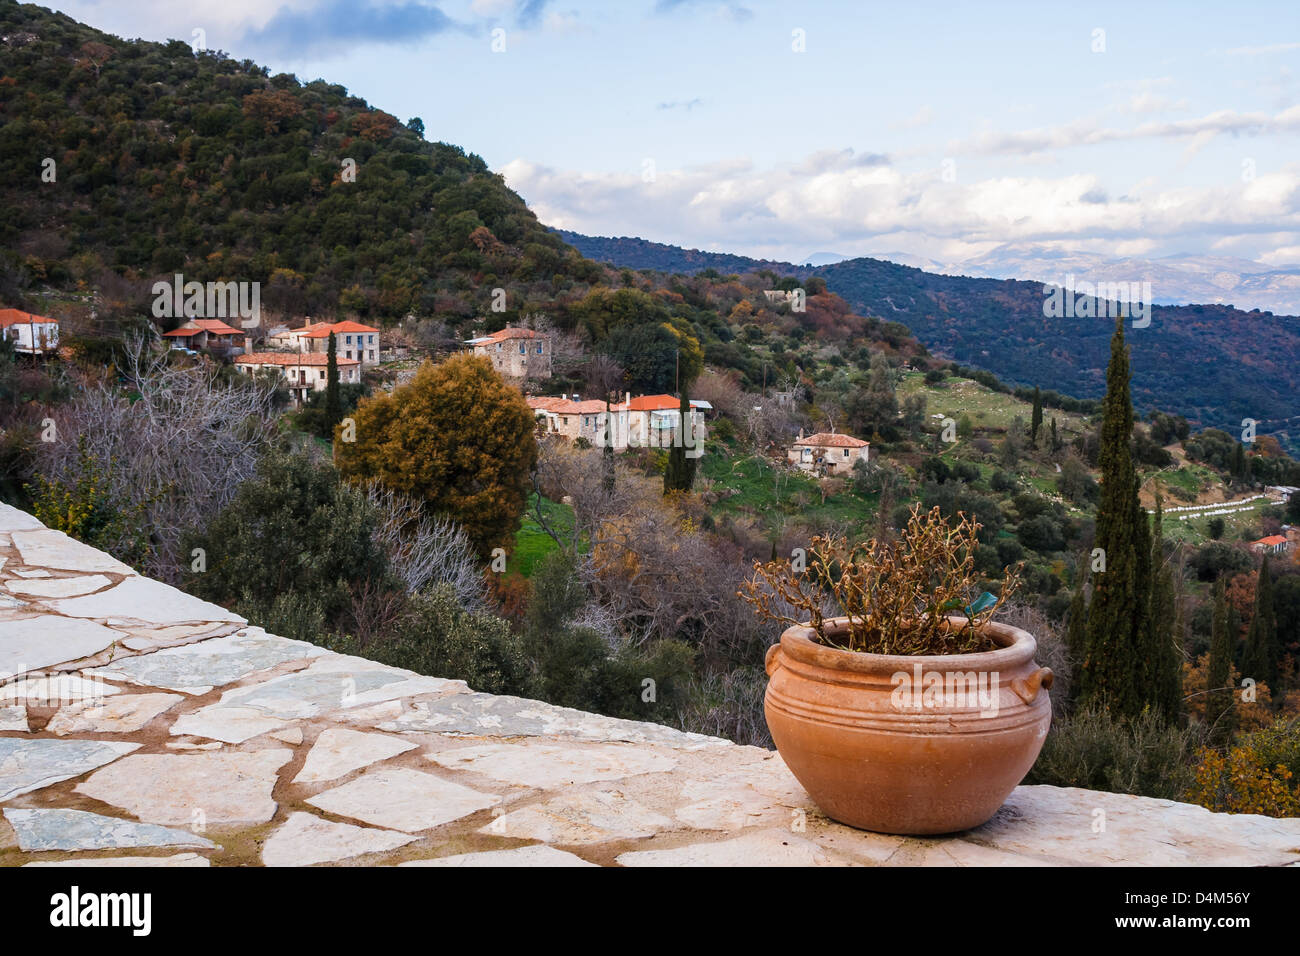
(1211, 363)
(164, 160)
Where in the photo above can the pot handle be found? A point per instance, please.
(771, 661)
(1028, 689)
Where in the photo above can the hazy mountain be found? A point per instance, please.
(1213, 363)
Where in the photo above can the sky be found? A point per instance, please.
(783, 130)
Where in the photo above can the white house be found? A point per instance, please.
(303, 373)
(31, 334)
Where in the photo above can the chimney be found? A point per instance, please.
(627, 398)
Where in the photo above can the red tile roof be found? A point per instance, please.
(564, 406)
(1272, 540)
(649, 403)
(290, 358)
(832, 440)
(196, 326)
(507, 334)
(10, 317)
(321, 330)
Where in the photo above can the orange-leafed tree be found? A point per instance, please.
(457, 437)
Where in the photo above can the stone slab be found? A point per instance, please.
(338, 751)
(488, 715)
(198, 668)
(38, 642)
(53, 549)
(179, 859)
(123, 714)
(764, 848)
(581, 818)
(59, 587)
(402, 799)
(143, 599)
(28, 764)
(57, 829)
(538, 855)
(304, 840)
(546, 766)
(213, 787)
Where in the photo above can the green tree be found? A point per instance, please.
(1263, 649)
(1056, 441)
(1219, 710)
(296, 535)
(679, 474)
(457, 437)
(1036, 420)
(1165, 662)
(1120, 638)
(333, 404)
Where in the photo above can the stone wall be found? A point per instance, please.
(142, 726)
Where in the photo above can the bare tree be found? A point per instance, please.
(426, 551)
(176, 440)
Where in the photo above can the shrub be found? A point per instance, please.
(1261, 774)
(1093, 750)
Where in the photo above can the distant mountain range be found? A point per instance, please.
(1175, 280)
(1213, 363)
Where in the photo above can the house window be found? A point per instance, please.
(522, 348)
(372, 353)
(539, 350)
(321, 374)
(349, 340)
(846, 453)
(370, 340)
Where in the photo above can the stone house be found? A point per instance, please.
(647, 421)
(827, 452)
(516, 353)
(352, 340)
(204, 334)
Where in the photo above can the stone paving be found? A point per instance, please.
(140, 726)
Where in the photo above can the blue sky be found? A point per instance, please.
(941, 130)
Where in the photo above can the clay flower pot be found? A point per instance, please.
(907, 745)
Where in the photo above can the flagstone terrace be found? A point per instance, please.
(141, 726)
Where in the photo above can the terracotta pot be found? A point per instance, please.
(879, 747)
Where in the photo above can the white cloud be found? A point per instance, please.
(837, 199)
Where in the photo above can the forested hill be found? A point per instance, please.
(144, 159)
(1212, 363)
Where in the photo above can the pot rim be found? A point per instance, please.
(1018, 648)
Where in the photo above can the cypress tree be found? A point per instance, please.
(1036, 420)
(1115, 670)
(1056, 441)
(333, 401)
(1219, 710)
(1166, 658)
(679, 474)
(1260, 660)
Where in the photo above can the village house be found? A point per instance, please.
(302, 373)
(827, 452)
(570, 417)
(1272, 544)
(647, 421)
(516, 353)
(352, 340)
(30, 334)
(204, 334)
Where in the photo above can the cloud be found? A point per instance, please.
(530, 12)
(922, 117)
(342, 23)
(854, 201)
(732, 11)
(686, 105)
(1088, 132)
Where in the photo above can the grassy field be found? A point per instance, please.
(531, 542)
(769, 493)
(954, 397)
